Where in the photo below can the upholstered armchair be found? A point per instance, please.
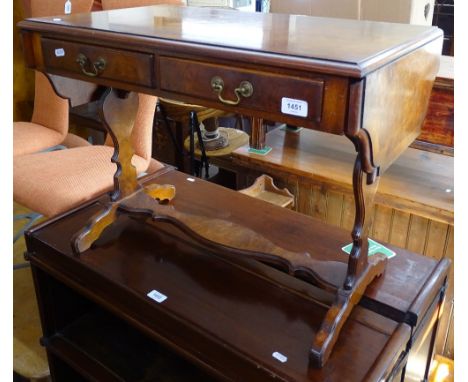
(49, 124)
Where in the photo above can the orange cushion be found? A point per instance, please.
(72, 140)
(50, 110)
(30, 137)
(54, 182)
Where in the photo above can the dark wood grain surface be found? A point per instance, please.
(439, 124)
(283, 52)
(366, 45)
(438, 128)
(132, 66)
(233, 306)
(289, 230)
(237, 306)
(220, 316)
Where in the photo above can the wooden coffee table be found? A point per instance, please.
(146, 285)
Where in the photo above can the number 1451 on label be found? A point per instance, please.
(294, 107)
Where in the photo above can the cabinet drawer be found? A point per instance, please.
(118, 65)
(194, 79)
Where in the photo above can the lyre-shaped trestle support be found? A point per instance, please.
(103, 219)
(340, 310)
(118, 111)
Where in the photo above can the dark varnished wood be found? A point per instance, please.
(118, 113)
(364, 184)
(393, 118)
(438, 128)
(336, 316)
(416, 183)
(226, 309)
(242, 241)
(190, 78)
(128, 196)
(132, 67)
(228, 298)
(305, 234)
(92, 231)
(258, 134)
(385, 116)
(77, 92)
(369, 44)
(186, 59)
(414, 209)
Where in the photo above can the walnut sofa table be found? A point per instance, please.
(366, 80)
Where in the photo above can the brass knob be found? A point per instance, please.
(97, 67)
(245, 90)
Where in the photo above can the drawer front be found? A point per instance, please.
(106, 63)
(270, 94)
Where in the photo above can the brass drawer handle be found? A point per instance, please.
(97, 66)
(245, 90)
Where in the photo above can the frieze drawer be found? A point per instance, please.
(89, 61)
(296, 100)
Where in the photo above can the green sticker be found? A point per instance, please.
(263, 151)
(374, 248)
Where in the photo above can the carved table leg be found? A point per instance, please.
(93, 230)
(258, 134)
(365, 183)
(364, 199)
(361, 270)
(118, 115)
(338, 313)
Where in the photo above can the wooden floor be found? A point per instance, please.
(29, 358)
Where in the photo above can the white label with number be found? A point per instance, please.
(157, 296)
(68, 7)
(280, 357)
(59, 52)
(294, 107)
